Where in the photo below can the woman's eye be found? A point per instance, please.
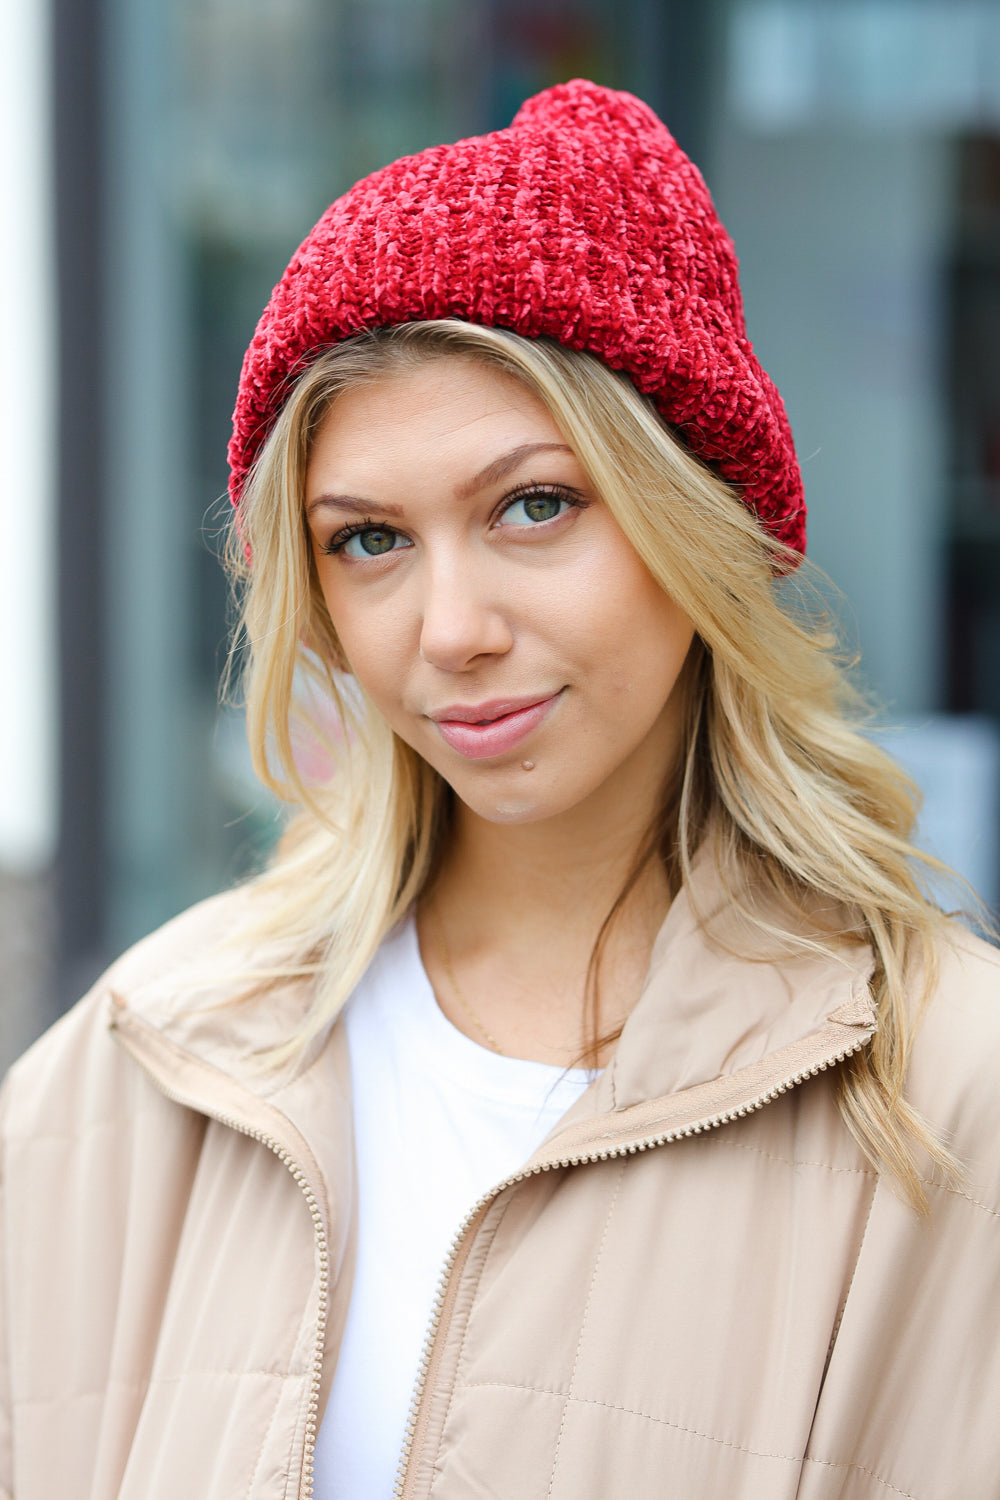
(372, 541)
(530, 510)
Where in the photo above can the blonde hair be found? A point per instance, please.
(801, 804)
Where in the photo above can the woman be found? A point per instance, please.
(590, 1010)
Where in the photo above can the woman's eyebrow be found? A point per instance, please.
(504, 465)
(353, 504)
(498, 469)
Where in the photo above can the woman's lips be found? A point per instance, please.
(494, 736)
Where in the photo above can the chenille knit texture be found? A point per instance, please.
(584, 222)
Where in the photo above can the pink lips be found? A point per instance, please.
(487, 729)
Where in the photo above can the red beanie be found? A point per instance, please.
(585, 222)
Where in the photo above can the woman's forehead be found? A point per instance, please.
(452, 408)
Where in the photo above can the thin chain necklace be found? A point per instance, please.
(456, 991)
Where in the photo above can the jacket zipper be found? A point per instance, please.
(414, 1424)
(312, 1202)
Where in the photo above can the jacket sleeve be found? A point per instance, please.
(6, 1424)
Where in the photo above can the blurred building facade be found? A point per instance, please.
(853, 149)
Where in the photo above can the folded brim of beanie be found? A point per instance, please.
(584, 222)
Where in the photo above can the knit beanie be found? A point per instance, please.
(584, 222)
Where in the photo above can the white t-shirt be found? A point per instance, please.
(439, 1120)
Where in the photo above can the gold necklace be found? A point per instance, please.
(446, 961)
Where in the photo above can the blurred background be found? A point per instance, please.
(158, 163)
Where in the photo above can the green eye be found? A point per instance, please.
(531, 510)
(542, 509)
(373, 541)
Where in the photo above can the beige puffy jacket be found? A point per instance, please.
(697, 1289)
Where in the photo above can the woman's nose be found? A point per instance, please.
(462, 621)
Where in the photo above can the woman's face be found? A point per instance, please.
(485, 598)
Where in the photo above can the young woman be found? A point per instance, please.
(587, 1104)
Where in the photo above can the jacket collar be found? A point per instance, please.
(718, 998)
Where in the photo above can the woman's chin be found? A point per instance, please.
(515, 795)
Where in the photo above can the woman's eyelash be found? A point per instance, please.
(532, 487)
(340, 538)
(523, 491)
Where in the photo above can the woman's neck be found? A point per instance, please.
(512, 921)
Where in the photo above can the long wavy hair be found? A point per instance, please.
(801, 804)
